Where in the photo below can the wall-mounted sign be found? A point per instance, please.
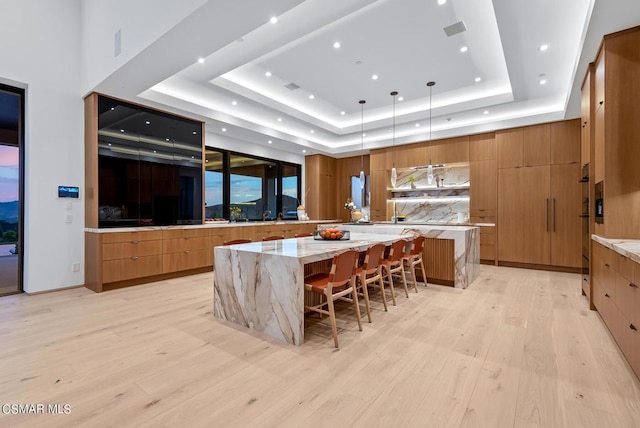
(69, 192)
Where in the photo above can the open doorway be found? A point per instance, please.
(11, 188)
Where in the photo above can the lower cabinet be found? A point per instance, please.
(115, 259)
(617, 298)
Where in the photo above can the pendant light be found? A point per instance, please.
(430, 167)
(394, 173)
(362, 102)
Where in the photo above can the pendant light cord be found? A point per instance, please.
(362, 102)
(430, 85)
(393, 138)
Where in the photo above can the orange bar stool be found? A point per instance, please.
(370, 274)
(413, 258)
(237, 241)
(393, 265)
(336, 285)
(273, 238)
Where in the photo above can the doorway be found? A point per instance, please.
(11, 189)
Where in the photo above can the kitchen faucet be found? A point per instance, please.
(280, 215)
(266, 214)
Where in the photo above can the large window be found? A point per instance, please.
(242, 187)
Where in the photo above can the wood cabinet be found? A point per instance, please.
(320, 177)
(536, 145)
(448, 150)
(565, 215)
(565, 142)
(509, 144)
(483, 185)
(616, 296)
(482, 147)
(185, 249)
(585, 116)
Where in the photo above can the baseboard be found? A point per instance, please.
(155, 278)
(541, 267)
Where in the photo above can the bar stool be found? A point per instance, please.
(413, 258)
(237, 241)
(302, 235)
(337, 284)
(393, 265)
(273, 238)
(370, 273)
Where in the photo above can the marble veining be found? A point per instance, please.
(466, 244)
(260, 285)
(431, 202)
(629, 248)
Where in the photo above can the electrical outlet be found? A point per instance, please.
(75, 267)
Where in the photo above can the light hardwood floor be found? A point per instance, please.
(518, 348)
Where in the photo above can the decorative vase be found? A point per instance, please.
(355, 216)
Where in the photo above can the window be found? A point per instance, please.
(243, 187)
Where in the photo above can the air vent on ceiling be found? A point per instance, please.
(292, 86)
(456, 28)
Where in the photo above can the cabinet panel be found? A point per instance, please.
(509, 145)
(379, 195)
(523, 210)
(185, 260)
(482, 147)
(483, 185)
(121, 250)
(133, 236)
(536, 145)
(132, 267)
(565, 142)
(450, 150)
(487, 252)
(585, 107)
(184, 244)
(628, 299)
(566, 238)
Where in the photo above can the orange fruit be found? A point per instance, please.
(333, 235)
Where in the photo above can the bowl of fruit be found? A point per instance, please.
(331, 234)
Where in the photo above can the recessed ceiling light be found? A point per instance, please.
(234, 103)
(364, 134)
(543, 48)
(113, 108)
(374, 77)
(304, 151)
(337, 45)
(270, 142)
(224, 129)
(417, 125)
(343, 113)
(268, 74)
(464, 49)
(193, 157)
(312, 131)
(206, 160)
(273, 20)
(201, 60)
(279, 119)
(478, 79)
(400, 98)
(194, 132)
(485, 112)
(109, 144)
(543, 81)
(155, 151)
(122, 130)
(441, 2)
(311, 96)
(166, 139)
(147, 122)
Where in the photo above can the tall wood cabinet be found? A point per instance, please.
(483, 191)
(539, 195)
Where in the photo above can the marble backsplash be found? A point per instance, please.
(446, 202)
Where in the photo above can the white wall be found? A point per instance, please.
(141, 22)
(41, 49)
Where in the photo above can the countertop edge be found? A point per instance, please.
(629, 248)
(205, 226)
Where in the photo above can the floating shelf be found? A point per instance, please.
(429, 188)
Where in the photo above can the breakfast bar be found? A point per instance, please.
(260, 285)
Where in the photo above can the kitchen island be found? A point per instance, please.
(260, 285)
(452, 253)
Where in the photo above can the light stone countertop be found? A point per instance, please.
(629, 248)
(214, 224)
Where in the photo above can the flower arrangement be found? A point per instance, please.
(235, 212)
(349, 205)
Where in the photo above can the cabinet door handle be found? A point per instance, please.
(187, 251)
(606, 294)
(134, 242)
(632, 285)
(134, 258)
(601, 102)
(607, 265)
(633, 327)
(547, 210)
(186, 238)
(554, 213)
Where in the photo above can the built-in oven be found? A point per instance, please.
(599, 202)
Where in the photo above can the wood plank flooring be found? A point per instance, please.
(519, 348)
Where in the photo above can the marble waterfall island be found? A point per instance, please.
(260, 285)
(465, 260)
